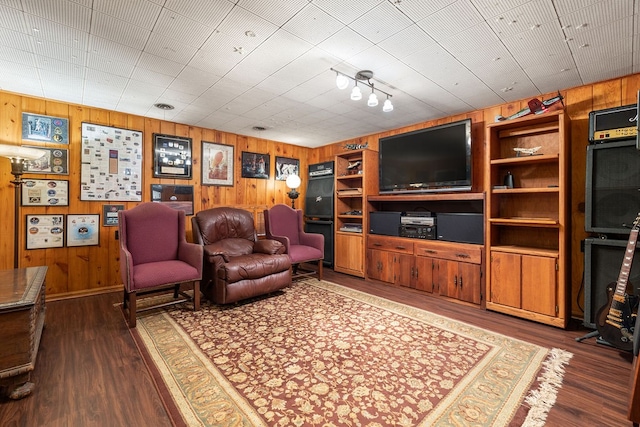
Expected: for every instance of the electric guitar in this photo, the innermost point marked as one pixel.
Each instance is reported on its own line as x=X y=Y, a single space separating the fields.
x=617 y=318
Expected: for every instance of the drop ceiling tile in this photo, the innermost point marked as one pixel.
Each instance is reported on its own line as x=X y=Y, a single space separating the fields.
x=246 y=29
x=270 y=57
x=12 y=19
x=43 y=29
x=181 y=29
x=371 y=59
x=12 y=3
x=15 y=39
x=604 y=34
x=380 y=23
x=313 y=25
x=142 y=13
x=450 y=20
x=17 y=56
x=170 y=49
x=275 y=11
x=61 y=67
x=204 y=11
x=473 y=38
x=531 y=39
x=355 y=9
x=345 y=44
x=159 y=64
x=14 y=69
x=108 y=80
x=406 y=42
x=566 y=7
x=491 y=8
x=110 y=49
x=419 y=9
x=61 y=11
x=524 y=18
x=110 y=28
x=58 y=51
x=595 y=15
x=111 y=66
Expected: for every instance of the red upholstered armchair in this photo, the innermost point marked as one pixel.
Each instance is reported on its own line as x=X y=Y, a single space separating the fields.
x=155 y=256
x=285 y=225
x=237 y=265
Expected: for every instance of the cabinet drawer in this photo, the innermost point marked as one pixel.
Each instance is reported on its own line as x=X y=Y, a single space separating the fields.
x=390 y=244
x=451 y=251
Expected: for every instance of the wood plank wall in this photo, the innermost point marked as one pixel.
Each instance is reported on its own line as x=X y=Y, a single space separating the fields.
x=74 y=271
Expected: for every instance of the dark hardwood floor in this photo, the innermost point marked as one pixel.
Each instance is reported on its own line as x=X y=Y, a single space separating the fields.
x=89 y=372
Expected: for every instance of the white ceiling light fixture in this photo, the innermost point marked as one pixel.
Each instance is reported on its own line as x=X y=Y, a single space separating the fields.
x=364 y=77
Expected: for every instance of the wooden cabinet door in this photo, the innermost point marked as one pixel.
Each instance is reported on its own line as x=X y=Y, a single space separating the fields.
x=539 y=284
x=349 y=254
x=405 y=270
x=380 y=265
x=505 y=279
x=423 y=278
x=447 y=275
x=469 y=282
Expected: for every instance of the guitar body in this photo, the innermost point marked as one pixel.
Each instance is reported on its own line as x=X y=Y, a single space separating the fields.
x=618 y=337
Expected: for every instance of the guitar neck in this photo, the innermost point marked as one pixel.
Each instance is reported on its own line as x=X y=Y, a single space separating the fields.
x=623 y=277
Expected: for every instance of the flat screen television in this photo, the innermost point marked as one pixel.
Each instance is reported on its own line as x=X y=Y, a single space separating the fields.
x=434 y=159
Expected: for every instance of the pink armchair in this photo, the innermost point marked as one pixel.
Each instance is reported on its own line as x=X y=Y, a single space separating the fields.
x=285 y=225
x=155 y=256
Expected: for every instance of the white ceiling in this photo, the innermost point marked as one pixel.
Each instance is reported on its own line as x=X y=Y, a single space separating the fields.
x=235 y=64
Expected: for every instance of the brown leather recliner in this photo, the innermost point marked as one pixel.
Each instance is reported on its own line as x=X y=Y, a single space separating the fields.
x=237 y=265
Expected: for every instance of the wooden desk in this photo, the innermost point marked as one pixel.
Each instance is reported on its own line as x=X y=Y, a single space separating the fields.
x=22 y=295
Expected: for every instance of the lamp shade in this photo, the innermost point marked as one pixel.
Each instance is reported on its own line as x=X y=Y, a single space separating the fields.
x=342 y=81
x=20 y=153
x=373 y=100
x=387 y=106
x=356 y=95
x=293 y=181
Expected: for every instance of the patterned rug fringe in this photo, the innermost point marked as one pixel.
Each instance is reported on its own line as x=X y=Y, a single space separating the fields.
x=542 y=399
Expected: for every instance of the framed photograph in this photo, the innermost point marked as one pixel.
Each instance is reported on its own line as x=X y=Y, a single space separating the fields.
x=110 y=214
x=179 y=197
x=217 y=164
x=56 y=161
x=255 y=165
x=111 y=164
x=45 y=128
x=286 y=167
x=45 y=192
x=83 y=230
x=171 y=156
x=45 y=231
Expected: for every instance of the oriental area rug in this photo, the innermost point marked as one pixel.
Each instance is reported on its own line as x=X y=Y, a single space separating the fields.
x=320 y=354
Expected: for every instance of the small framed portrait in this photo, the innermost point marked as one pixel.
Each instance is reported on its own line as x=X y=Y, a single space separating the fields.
x=45 y=192
x=45 y=231
x=255 y=165
x=36 y=127
x=56 y=161
x=217 y=164
x=171 y=156
x=286 y=167
x=83 y=230
x=179 y=197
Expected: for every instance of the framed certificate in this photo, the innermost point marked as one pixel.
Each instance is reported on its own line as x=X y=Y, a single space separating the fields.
x=83 y=230
x=172 y=156
x=45 y=231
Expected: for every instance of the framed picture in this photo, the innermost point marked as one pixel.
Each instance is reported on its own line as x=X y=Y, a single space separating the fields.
x=45 y=192
x=171 y=156
x=179 y=197
x=217 y=164
x=255 y=165
x=286 y=167
x=83 y=230
x=111 y=164
x=110 y=214
x=45 y=128
x=45 y=231
x=56 y=161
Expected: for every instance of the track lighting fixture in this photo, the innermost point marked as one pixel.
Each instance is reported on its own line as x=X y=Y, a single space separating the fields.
x=364 y=77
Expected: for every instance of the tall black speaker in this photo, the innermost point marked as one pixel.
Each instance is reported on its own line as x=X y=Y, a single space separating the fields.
x=602 y=261
x=612 y=187
x=326 y=229
x=318 y=202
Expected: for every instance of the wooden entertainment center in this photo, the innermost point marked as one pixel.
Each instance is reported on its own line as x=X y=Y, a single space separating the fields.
x=520 y=269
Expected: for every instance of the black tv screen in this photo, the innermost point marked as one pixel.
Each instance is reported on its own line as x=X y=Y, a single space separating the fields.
x=427 y=160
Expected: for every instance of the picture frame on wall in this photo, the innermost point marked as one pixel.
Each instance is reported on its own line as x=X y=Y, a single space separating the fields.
x=286 y=167
x=56 y=161
x=171 y=156
x=217 y=164
x=44 y=231
x=255 y=165
x=110 y=215
x=36 y=127
x=45 y=192
x=179 y=197
x=83 y=229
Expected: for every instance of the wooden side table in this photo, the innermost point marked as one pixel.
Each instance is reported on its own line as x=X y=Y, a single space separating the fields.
x=22 y=309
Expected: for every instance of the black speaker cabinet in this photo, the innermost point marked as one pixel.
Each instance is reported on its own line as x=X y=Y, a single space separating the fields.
x=612 y=187
x=326 y=229
x=460 y=227
x=318 y=201
x=602 y=262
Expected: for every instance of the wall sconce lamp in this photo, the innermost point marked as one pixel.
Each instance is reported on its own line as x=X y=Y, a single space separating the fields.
x=364 y=77
x=293 y=182
x=18 y=156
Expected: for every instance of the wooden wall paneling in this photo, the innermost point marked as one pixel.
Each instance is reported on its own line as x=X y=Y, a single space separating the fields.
x=607 y=94
x=630 y=86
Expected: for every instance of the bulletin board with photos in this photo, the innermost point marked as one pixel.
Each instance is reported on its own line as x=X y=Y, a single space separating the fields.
x=111 y=164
